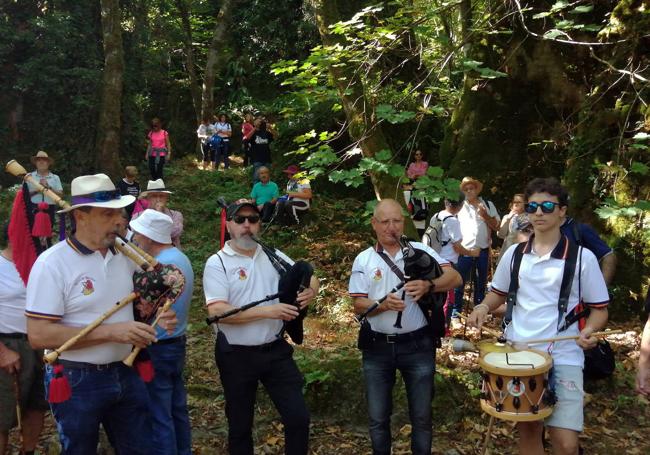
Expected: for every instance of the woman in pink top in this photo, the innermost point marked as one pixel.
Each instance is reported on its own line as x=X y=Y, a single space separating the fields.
x=247 y=130
x=159 y=149
x=417 y=168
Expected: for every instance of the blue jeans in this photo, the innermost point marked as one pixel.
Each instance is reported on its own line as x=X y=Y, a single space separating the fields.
x=465 y=268
x=221 y=153
x=416 y=362
x=114 y=397
x=170 y=420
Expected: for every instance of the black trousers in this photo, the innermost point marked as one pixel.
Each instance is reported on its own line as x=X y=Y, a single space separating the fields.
x=241 y=368
x=156 y=168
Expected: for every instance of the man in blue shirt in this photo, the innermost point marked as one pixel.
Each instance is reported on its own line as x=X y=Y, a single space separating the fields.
x=171 y=423
x=584 y=235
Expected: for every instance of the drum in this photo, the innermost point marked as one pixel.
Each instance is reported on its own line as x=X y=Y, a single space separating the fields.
x=515 y=385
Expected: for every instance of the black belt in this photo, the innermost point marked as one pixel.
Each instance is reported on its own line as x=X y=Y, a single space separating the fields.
x=258 y=347
x=88 y=366
x=180 y=339
x=392 y=338
x=15 y=335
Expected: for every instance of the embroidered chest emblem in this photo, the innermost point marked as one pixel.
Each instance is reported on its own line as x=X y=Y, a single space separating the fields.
x=242 y=274
x=377 y=274
x=87 y=287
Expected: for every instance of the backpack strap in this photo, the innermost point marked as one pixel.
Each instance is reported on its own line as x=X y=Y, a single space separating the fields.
x=579 y=312
x=442 y=226
x=391 y=264
x=567 y=283
x=576 y=232
x=511 y=299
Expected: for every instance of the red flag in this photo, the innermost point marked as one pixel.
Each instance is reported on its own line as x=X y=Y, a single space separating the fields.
x=20 y=235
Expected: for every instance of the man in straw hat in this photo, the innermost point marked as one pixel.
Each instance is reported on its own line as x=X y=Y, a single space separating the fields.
x=42 y=174
x=19 y=363
x=71 y=285
x=477 y=218
x=168 y=398
x=537 y=312
x=157 y=198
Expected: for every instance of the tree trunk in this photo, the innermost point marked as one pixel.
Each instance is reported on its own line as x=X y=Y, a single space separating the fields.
x=109 y=128
x=195 y=90
x=215 y=56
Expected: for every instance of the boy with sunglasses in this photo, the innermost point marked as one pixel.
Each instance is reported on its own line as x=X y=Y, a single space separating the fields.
x=248 y=349
x=535 y=314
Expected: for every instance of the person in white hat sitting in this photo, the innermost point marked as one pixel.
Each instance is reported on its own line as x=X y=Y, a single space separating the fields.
x=42 y=161
x=71 y=285
x=168 y=398
x=156 y=197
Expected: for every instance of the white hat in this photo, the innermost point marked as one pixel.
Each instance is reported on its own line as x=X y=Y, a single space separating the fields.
x=155 y=225
x=155 y=186
x=96 y=191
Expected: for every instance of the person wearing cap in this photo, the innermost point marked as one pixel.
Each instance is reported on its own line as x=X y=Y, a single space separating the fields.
x=478 y=218
x=71 y=285
x=18 y=361
x=297 y=199
x=42 y=161
x=168 y=398
x=249 y=347
x=156 y=197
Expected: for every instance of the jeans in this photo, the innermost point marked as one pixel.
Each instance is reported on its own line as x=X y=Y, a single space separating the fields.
x=465 y=266
x=221 y=153
x=241 y=369
x=114 y=397
x=416 y=362
x=156 y=165
x=170 y=420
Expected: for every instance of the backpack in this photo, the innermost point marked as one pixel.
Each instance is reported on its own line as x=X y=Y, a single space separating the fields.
x=215 y=141
x=433 y=235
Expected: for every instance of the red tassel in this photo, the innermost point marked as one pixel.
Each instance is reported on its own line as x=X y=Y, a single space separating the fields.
x=42 y=223
x=145 y=369
x=21 y=238
x=410 y=208
x=60 y=390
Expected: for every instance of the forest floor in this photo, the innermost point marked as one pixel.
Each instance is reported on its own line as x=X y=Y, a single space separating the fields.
x=616 y=418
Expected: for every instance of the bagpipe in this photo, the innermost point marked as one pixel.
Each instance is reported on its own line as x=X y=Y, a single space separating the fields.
x=293 y=280
x=418 y=265
x=156 y=287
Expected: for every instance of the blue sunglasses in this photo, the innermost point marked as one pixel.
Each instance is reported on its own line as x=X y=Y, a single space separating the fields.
x=547 y=206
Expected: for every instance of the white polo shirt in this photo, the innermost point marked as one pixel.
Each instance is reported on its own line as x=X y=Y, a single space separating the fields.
x=476 y=233
x=12 y=299
x=372 y=278
x=238 y=280
x=74 y=286
x=535 y=316
x=451 y=234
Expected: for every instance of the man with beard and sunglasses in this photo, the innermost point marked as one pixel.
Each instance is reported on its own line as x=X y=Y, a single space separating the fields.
x=536 y=312
x=71 y=285
x=249 y=347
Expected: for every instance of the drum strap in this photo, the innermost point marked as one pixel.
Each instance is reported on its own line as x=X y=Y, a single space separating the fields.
x=565 y=287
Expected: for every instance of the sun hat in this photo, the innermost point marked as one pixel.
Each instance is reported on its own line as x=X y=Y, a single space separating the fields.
x=155 y=186
x=155 y=225
x=96 y=191
x=236 y=206
x=41 y=154
x=292 y=169
x=467 y=180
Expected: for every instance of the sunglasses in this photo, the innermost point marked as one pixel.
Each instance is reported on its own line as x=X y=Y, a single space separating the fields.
x=547 y=206
x=252 y=219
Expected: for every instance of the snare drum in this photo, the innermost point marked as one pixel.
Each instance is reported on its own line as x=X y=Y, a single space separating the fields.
x=515 y=385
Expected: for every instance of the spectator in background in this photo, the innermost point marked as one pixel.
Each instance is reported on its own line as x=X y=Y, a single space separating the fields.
x=265 y=194
x=417 y=207
x=159 y=149
x=156 y=197
x=46 y=178
x=205 y=131
x=260 y=142
x=247 y=130
x=129 y=185
x=515 y=226
x=417 y=168
x=222 y=129
x=298 y=197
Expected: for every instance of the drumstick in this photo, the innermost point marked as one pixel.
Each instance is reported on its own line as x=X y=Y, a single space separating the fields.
x=51 y=356
x=19 y=414
x=128 y=361
x=567 y=337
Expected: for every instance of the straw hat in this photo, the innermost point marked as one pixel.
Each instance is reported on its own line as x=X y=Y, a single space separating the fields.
x=467 y=180
x=155 y=225
x=41 y=154
x=96 y=191
x=155 y=186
